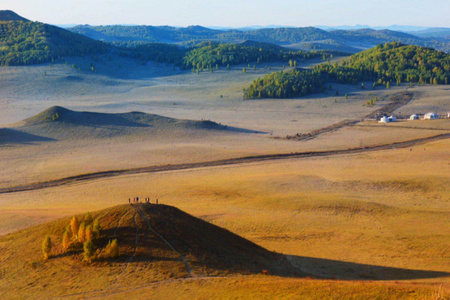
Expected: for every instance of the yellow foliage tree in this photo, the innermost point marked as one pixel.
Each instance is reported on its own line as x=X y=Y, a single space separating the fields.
x=89 y=233
x=66 y=240
x=74 y=225
x=47 y=247
x=82 y=233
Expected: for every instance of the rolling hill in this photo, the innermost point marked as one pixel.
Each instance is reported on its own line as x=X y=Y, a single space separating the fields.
x=156 y=242
x=59 y=123
x=23 y=42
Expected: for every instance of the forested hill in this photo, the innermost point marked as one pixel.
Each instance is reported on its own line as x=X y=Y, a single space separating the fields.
x=299 y=37
x=384 y=65
x=8 y=15
x=212 y=55
x=23 y=42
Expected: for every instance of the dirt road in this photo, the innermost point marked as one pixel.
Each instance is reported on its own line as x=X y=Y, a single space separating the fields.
x=231 y=161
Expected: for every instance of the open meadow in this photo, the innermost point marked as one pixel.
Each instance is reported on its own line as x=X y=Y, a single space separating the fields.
x=366 y=224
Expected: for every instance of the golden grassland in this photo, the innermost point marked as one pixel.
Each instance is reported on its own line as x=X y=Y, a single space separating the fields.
x=368 y=216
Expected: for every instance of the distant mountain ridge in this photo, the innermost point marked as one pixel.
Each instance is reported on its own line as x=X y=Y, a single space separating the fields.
x=305 y=38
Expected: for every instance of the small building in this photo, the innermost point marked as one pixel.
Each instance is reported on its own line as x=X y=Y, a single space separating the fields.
x=431 y=116
x=414 y=117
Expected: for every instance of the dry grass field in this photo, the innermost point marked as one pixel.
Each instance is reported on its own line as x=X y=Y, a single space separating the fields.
x=373 y=224
x=366 y=217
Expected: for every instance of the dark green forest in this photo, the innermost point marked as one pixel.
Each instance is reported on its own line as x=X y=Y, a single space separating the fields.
x=208 y=55
x=25 y=43
x=285 y=85
x=392 y=63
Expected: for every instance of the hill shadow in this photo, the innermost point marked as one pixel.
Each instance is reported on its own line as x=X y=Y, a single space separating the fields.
x=12 y=136
x=333 y=269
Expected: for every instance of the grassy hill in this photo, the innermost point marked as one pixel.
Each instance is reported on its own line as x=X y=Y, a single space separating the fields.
x=23 y=42
x=156 y=242
x=60 y=123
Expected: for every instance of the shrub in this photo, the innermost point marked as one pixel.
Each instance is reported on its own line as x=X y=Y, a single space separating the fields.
x=114 y=250
x=47 y=247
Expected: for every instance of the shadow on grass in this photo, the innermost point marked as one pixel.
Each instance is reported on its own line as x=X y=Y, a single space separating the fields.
x=12 y=136
x=327 y=268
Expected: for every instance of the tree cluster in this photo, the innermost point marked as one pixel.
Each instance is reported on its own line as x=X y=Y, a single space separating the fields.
x=285 y=85
x=392 y=62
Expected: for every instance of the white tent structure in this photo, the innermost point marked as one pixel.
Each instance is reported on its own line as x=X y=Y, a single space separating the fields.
x=414 y=117
x=431 y=116
x=384 y=120
x=392 y=119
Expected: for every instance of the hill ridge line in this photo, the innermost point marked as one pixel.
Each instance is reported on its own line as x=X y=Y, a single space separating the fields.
x=215 y=163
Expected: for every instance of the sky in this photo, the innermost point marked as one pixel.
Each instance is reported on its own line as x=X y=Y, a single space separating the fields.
x=235 y=13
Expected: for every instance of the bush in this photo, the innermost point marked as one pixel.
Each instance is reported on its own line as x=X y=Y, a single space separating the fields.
x=114 y=252
x=47 y=247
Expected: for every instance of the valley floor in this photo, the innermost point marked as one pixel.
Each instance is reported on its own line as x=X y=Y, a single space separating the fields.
x=370 y=224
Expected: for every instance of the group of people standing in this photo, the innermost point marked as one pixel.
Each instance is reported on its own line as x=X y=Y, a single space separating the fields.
x=136 y=200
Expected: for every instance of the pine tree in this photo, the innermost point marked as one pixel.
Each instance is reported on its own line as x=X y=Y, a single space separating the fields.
x=47 y=247
x=89 y=250
x=74 y=226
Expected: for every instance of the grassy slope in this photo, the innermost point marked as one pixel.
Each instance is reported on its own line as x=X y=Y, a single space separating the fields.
x=370 y=216
x=209 y=250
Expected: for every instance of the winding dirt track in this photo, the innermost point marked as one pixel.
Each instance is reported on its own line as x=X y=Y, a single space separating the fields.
x=224 y=162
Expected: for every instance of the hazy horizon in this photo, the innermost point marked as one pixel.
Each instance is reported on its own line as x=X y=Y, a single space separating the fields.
x=234 y=13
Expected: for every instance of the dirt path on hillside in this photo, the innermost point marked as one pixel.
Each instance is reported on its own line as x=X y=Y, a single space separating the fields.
x=225 y=162
x=144 y=217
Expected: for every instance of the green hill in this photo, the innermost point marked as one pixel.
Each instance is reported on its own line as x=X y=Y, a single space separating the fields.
x=156 y=242
x=392 y=63
x=23 y=42
x=8 y=15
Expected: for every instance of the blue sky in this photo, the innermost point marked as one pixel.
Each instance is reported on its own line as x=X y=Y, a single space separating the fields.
x=235 y=13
